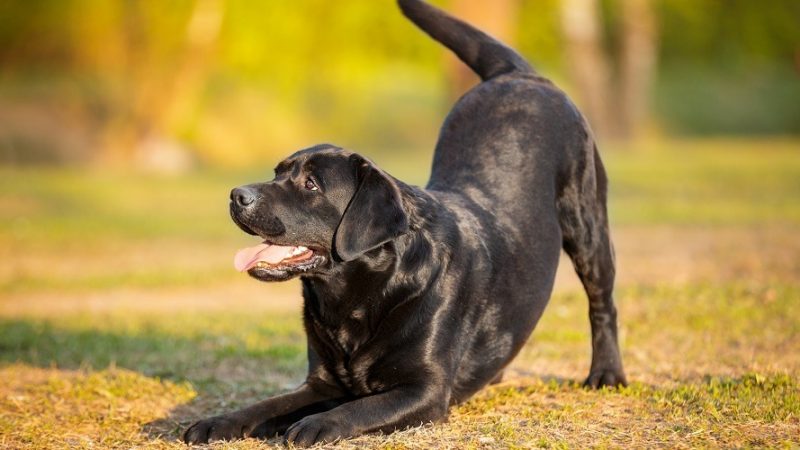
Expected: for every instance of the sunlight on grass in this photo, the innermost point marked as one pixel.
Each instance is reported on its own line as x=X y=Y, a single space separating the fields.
x=726 y=397
x=66 y=217
x=122 y=320
x=707 y=182
x=50 y=408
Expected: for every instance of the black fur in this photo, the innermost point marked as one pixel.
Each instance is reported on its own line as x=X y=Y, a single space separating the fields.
x=417 y=298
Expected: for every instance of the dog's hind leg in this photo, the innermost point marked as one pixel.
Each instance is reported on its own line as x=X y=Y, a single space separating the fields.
x=498 y=378
x=584 y=223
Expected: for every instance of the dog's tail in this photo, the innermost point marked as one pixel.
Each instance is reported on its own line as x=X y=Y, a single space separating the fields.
x=482 y=53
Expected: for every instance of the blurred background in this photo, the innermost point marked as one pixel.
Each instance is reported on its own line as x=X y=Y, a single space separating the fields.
x=125 y=123
x=225 y=83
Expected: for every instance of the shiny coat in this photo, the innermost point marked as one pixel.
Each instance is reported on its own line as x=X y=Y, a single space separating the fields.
x=415 y=298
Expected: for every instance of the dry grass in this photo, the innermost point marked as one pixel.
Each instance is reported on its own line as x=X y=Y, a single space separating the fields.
x=81 y=409
x=119 y=336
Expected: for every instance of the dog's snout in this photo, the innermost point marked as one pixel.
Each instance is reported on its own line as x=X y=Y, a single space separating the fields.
x=243 y=197
x=252 y=213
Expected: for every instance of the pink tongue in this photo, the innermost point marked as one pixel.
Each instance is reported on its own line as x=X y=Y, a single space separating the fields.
x=249 y=257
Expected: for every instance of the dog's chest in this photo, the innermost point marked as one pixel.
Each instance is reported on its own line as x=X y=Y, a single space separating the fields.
x=346 y=353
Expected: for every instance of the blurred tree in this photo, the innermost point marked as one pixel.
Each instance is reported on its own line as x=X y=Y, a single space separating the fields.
x=237 y=80
x=497 y=18
x=637 y=66
x=162 y=75
x=613 y=84
x=164 y=92
x=728 y=67
x=590 y=70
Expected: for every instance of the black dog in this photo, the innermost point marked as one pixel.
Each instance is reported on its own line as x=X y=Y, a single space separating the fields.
x=417 y=298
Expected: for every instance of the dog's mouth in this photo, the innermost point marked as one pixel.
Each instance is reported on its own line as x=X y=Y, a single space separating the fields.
x=272 y=262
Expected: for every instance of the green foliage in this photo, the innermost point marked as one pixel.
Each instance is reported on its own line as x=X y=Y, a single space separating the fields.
x=281 y=75
x=720 y=34
x=737 y=101
x=728 y=67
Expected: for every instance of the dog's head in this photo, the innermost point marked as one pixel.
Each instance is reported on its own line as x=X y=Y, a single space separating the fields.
x=325 y=206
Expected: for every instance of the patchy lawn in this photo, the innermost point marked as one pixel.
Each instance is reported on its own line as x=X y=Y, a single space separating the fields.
x=121 y=320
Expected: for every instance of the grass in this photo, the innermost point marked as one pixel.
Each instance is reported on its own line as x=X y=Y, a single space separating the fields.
x=178 y=367
x=718 y=183
x=121 y=320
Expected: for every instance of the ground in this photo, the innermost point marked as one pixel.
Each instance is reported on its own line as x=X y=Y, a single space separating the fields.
x=122 y=319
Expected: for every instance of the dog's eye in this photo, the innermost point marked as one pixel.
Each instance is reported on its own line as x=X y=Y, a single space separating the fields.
x=311 y=185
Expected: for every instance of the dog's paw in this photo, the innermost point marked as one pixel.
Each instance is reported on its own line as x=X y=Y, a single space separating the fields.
x=219 y=428
x=317 y=428
x=599 y=378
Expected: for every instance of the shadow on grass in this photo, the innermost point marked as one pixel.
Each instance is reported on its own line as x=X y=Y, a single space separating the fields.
x=243 y=362
x=512 y=374
x=171 y=428
x=226 y=370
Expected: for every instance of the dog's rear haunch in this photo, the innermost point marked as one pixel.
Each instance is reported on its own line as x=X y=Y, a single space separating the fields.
x=414 y=299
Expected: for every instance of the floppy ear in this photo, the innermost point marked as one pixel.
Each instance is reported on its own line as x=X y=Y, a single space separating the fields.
x=374 y=215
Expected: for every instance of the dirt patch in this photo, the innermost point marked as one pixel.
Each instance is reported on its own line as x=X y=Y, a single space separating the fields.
x=645 y=256
x=664 y=255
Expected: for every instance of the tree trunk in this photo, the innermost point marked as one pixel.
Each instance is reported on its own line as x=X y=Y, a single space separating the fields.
x=588 y=65
x=158 y=97
x=636 y=66
x=495 y=17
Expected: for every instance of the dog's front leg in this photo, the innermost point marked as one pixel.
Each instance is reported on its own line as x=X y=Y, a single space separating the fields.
x=262 y=419
x=392 y=410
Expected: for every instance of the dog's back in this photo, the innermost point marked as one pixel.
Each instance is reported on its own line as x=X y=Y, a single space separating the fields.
x=422 y=298
x=516 y=154
x=510 y=135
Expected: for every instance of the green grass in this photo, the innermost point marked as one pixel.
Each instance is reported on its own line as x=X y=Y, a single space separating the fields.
x=709 y=182
x=122 y=320
x=706 y=182
x=67 y=216
x=68 y=203
x=714 y=393
x=177 y=346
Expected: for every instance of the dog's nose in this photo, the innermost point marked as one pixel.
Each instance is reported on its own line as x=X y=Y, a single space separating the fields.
x=243 y=196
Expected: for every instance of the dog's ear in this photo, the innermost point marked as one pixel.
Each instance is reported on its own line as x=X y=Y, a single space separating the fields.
x=374 y=215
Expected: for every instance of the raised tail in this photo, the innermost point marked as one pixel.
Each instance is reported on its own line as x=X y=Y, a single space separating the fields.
x=485 y=55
